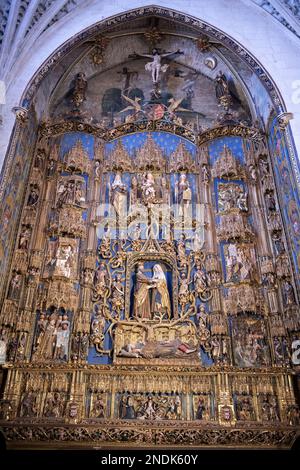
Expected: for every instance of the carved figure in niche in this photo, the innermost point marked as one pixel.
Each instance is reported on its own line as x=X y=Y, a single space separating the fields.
x=293 y=415
x=268 y=279
x=117 y=296
x=137 y=232
x=24 y=237
x=245 y=409
x=33 y=196
x=21 y=346
x=205 y=174
x=65 y=260
x=54 y=406
x=51 y=167
x=200 y=282
x=135 y=106
x=281 y=350
x=65 y=193
x=44 y=348
x=213 y=278
x=62 y=339
x=264 y=167
x=149 y=411
x=216 y=348
x=39 y=159
x=252 y=173
x=203 y=332
x=152 y=349
x=288 y=293
x=160 y=300
x=97 y=169
x=28 y=405
x=174 y=410
x=155 y=67
x=278 y=243
x=249 y=343
x=126 y=408
x=270 y=201
x=79 y=197
x=98 y=331
x=119 y=195
x=80 y=346
x=164 y=190
x=87 y=276
x=184 y=195
x=201 y=409
x=70 y=192
x=242 y=200
x=221 y=85
x=104 y=248
x=293 y=212
x=269 y=409
x=119 y=260
x=3 y=345
x=160 y=297
x=231 y=196
x=101 y=281
x=148 y=189
x=181 y=253
x=133 y=191
x=84 y=346
x=141 y=295
x=282 y=266
x=184 y=286
x=79 y=90
x=98 y=410
x=202 y=316
x=238 y=264
x=15 y=286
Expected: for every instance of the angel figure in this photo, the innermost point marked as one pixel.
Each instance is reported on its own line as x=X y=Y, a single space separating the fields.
x=155 y=66
x=174 y=106
x=134 y=105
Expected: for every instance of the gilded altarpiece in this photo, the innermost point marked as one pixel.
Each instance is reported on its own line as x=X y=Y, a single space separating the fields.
x=150 y=295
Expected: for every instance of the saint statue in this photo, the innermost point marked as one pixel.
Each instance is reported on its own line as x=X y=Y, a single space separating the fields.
x=221 y=85
x=119 y=195
x=141 y=296
x=184 y=194
x=79 y=89
x=148 y=189
x=160 y=298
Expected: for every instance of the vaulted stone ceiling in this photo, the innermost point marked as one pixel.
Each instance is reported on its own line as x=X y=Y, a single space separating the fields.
x=23 y=21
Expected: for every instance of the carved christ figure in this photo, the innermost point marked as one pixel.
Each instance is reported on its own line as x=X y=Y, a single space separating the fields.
x=155 y=67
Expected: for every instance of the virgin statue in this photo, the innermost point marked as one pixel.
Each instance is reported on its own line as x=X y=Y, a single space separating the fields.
x=160 y=298
x=119 y=195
